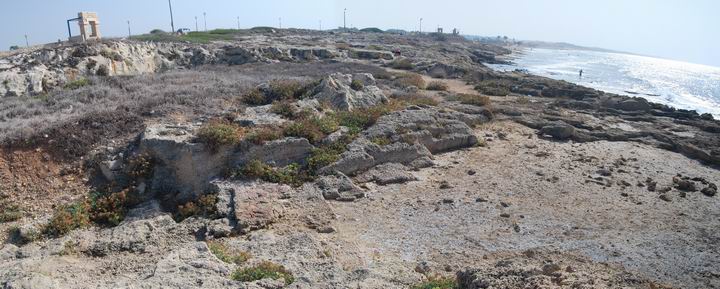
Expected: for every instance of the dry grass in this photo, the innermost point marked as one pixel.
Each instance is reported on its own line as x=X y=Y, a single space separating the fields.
x=437 y=86
x=474 y=99
x=69 y=123
x=410 y=79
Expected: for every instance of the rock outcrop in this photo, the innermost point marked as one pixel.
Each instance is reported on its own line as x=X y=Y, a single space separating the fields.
x=348 y=92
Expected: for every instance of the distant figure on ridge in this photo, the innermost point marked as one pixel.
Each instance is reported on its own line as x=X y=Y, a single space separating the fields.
x=581 y=73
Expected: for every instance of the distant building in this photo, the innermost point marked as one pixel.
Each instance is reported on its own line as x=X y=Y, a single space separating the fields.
x=89 y=27
x=440 y=30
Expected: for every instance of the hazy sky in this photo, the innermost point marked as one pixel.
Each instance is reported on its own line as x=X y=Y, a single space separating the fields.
x=686 y=30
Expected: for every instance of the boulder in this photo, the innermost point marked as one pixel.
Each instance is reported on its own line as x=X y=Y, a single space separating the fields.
x=249 y=206
x=337 y=91
x=559 y=130
x=389 y=173
x=414 y=135
x=633 y=104
x=184 y=168
x=339 y=187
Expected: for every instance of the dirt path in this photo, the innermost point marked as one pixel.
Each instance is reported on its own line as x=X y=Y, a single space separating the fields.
x=526 y=193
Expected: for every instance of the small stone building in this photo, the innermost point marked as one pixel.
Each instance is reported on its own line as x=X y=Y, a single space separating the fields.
x=89 y=27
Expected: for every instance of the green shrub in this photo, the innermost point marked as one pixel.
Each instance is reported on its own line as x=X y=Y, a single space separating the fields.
x=327 y=154
x=217 y=133
x=72 y=85
x=202 y=207
x=402 y=63
x=284 y=108
x=361 y=119
x=261 y=135
x=493 y=87
x=289 y=175
x=140 y=166
x=314 y=129
x=227 y=255
x=254 y=97
x=356 y=85
x=67 y=218
x=474 y=99
x=8 y=211
x=437 y=85
x=263 y=270
x=371 y=30
x=381 y=141
x=103 y=70
x=108 y=209
x=437 y=282
x=282 y=89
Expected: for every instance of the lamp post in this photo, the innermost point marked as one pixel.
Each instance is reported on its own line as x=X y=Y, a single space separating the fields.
x=280 y=22
x=205 y=20
x=421 y=25
x=27 y=44
x=129 y=34
x=345 y=19
x=320 y=25
x=196 y=26
x=238 y=21
x=172 y=22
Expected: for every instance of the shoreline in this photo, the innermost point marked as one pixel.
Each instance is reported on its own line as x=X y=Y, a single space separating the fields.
x=661 y=98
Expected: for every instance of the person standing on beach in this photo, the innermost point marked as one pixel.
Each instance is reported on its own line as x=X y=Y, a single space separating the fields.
x=581 y=72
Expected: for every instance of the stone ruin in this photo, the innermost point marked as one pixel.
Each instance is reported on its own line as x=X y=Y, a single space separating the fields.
x=89 y=27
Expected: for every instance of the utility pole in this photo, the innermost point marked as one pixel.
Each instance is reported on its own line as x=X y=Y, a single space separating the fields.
x=205 y=19
x=129 y=34
x=196 y=27
x=172 y=22
x=280 y=21
x=27 y=44
x=320 y=25
x=345 y=19
x=238 y=20
x=420 y=25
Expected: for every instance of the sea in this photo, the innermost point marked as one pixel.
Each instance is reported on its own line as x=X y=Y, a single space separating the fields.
x=675 y=83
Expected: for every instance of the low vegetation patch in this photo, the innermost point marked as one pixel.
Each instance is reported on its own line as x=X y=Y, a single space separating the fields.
x=67 y=218
x=414 y=99
x=75 y=84
x=410 y=79
x=8 y=211
x=261 y=135
x=491 y=87
x=474 y=99
x=217 y=133
x=437 y=86
x=327 y=154
x=437 y=282
x=226 y=254
x=356 y=85
x=381 y=141
x=158 y=35
x=278 y=90
x=290 y=175
x=202 y=207
x=402 y=63
x=315 y=129
x=264 y=270
x=284 y=108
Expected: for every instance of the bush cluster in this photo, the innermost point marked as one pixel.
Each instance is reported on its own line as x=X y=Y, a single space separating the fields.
x=437 y=282
x=8 y=211
x=278 y=90
x=227 y=255
x=217 y=133
x=437 y=85
x=290 y=175
x=75 y=84
x=202 y=207
x=491 y=87
x=410 y=79
x=264 y=134
x=474 y=99
x=101 y=208
x=263 y=270
x=402 y=63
